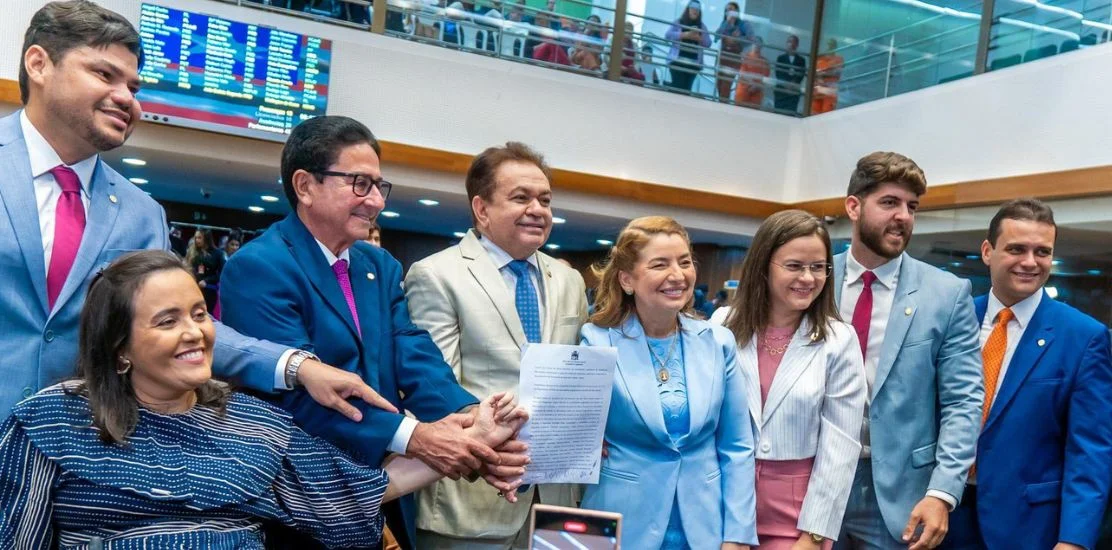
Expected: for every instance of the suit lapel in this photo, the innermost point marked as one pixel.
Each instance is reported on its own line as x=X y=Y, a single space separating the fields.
x=795 y=362
x=104 y=207
x=904 y=308
x=698 y=350
x=1025 y=357
x=306 y=251
x=839 y=276
x=748 y=357
x=551 y=295
x=487 y=276
x=638 y=374
x=18 y=196
x=365 y=283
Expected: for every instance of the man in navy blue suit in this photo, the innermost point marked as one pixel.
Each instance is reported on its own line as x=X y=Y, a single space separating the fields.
x=66 y=214
x=1044 y=458
x=311 y=282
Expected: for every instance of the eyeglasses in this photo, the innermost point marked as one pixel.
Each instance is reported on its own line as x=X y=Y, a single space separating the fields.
x=818 y=269
x=361 y=184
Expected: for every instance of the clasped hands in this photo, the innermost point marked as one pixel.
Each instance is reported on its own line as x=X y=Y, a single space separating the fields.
x=480 y=440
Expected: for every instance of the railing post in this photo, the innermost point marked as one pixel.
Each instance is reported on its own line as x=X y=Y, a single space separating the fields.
x=980 y=65
x=888 y=69
x=617 y=42
x=378 y=21
x=816 y=38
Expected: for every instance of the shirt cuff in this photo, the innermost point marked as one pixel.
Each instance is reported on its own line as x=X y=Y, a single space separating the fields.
x=400 y=441
x=280 y=370
x=944 y=496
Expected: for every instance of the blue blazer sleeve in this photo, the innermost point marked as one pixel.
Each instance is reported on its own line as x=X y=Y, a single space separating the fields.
x=735 y=450
x=430 y=388
x=26 y=485
x=1087 y=472
x=961 y=393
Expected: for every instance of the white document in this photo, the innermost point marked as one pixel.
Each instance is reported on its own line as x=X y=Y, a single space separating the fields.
x=566 y=390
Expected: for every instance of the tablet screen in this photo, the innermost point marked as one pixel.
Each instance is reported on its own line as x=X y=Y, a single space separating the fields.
x=573 y=530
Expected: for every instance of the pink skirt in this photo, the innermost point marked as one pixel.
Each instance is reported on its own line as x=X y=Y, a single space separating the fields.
x=781 y=486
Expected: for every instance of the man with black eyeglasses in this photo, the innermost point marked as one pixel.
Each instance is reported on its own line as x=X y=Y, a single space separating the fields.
x=311 y=282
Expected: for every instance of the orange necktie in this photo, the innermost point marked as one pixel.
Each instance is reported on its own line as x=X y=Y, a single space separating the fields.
x=993 y=355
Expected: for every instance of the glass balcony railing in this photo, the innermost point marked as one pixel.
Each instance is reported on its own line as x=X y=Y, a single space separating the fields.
x=804 y=59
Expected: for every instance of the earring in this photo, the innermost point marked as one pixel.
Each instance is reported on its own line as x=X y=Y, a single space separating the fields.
x=629 y=292
x=127 y=366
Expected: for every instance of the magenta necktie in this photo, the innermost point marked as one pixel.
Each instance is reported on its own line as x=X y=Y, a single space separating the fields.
x=863 y=311
x=69 y=226
x=340 y=268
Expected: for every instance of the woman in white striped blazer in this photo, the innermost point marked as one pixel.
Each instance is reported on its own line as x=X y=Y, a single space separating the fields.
x=805 y=382
x=146 y=451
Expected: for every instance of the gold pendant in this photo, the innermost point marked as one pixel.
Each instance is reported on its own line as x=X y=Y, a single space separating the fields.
x=662 y=375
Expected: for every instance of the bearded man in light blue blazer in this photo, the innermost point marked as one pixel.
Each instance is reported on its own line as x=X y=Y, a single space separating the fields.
x=67 y=214
x=919 y=337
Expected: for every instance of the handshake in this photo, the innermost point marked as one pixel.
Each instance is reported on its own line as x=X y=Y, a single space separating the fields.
x=478 y=442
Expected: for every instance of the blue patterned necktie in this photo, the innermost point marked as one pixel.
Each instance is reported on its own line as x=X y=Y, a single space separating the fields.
x=528 y=310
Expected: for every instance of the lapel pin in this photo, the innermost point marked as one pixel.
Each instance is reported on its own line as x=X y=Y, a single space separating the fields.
x=1041 y=342
x=113 y=199
x=907 y=311
x=370 y=276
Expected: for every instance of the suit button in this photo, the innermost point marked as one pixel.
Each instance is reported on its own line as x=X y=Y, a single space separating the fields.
x=765 y=447
x=28 y=392
x=48 y=336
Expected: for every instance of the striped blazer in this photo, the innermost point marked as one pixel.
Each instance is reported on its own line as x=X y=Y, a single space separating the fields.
x=814 y=408
x=192 y=480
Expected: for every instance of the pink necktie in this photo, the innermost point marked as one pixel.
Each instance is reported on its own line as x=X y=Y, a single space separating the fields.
x=69 y=226
x=340 y=268
x=863 y=311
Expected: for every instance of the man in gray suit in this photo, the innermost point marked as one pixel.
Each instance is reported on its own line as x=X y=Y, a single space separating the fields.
x=68 y=214
x=481 y=301
x=919 y=337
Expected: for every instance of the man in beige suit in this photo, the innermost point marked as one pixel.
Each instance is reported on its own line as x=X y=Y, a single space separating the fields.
x=482 y=300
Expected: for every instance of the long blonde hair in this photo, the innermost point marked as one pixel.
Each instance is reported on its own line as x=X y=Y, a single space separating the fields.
x=612 y=306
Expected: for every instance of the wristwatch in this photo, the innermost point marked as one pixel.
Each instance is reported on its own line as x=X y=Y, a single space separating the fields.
x=294 y=364
x=817 y=539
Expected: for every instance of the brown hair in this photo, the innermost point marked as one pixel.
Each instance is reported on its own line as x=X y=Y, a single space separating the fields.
x=750 y=304
x=1021 y=209
x=612 y=306
x=105 y=331
x=59 y=27
x=876 y=169
x=480 y=176
x=375 y=228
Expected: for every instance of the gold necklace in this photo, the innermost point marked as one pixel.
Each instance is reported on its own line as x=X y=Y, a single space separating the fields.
x=662 y=373
x=777 y=350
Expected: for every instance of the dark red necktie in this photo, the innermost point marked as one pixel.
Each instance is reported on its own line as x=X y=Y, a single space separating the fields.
x=69 y=226
x=863 y=311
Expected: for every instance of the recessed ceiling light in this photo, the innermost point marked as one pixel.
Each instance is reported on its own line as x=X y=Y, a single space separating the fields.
x=1051 y=291
x=552 y=246
x=137 y=181
x=1094 y=272
x=973 y=257
x=134 y=161
x=604 y=242
x=429 y=202
x=955 y=264
x=459 y=234
x=269 y=198
x=255 y=208
x=389 y=214
x=1056 y=262
x=558 y=219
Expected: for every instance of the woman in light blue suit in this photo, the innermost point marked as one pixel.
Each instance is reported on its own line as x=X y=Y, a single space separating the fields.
x=679 y=466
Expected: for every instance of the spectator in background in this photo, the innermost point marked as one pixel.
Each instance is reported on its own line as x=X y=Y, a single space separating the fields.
x=754 y=69
x=178 y=244
x=374 y=235
x=207 y=262
x=790 y=70
x=538 y=33
x=629 y=55
x=231 y=247
x=828 y=71
x=688 y=36
x=587 y=53
x=647 y=65
x=551 y=52
x=732 y=33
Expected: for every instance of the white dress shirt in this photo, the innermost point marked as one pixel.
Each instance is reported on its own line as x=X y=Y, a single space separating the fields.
x=1023 y=311
x=502 y=260
x=47 y=191
x=884 y=293
x=400 y=442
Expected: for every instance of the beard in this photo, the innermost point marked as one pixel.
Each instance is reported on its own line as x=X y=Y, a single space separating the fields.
x=872 y=236
x=83 y=123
